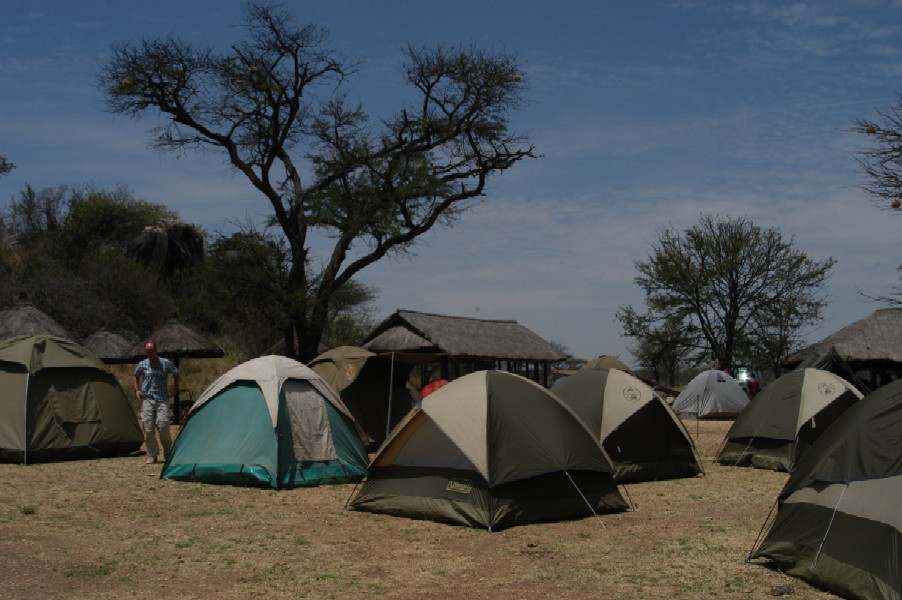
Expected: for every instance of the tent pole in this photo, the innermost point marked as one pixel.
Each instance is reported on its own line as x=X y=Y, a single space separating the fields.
x=747 y=446
x=351 y=495
x=581 y=495
x=629 y=498
x=698 y=415
x=829 y=525
x=391 y=385
x=763 y=525
x=25 y=418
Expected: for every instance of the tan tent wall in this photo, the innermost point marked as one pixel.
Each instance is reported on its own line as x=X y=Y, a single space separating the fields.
x=644 y=439
x=810 y=538
x=59 y=402
x=13 y=384
x=490 y=450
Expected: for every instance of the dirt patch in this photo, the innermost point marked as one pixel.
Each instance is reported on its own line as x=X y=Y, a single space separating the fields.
x=112 y=529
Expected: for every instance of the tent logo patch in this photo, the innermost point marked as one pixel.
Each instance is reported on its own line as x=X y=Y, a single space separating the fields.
x=461 y=486
x=632 y=394
x=826 y=389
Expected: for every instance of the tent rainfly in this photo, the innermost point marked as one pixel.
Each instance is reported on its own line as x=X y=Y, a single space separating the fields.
x=644 y=438
x=268 y=422
x=60 y=402
x=490 y=450
x=711 y=394
x=785 y=418
x=838 y=522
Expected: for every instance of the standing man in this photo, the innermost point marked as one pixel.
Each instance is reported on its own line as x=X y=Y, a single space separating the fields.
x=151 y=387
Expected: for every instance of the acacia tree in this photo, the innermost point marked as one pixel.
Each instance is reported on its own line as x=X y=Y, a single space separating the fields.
x=5 y=166
x=738 y=284
x=274 y=105
x=882 y=160
x=238 y=291
x=881 y=163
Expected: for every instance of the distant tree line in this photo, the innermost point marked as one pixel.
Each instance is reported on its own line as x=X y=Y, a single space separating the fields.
x=94 y=258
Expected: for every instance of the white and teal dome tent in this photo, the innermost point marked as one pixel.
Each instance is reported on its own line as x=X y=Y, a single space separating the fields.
x=269 y=422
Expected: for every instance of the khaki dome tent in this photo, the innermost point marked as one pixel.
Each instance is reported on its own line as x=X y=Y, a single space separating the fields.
x=644 y=438
x=268 y=422
x=491 y=450
x=838 y=523
x=58 y=402
x=372 y=386
x=780 y=422
x=711 y=394
x=606 y=362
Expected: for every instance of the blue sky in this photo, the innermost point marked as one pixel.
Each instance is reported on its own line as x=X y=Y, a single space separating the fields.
x=646 y=114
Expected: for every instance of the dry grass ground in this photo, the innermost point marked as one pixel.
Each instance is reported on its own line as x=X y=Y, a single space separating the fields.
x=112 y=529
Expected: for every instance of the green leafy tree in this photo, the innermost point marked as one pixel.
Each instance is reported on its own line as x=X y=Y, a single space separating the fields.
x=275 y=106
x=68 y=255
x=109 y=217
x=352 y=315
x=239 y=291
x=36 y=214
x=733 y=282
x=665 y=346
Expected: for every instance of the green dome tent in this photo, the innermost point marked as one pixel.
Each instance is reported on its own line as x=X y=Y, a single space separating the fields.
x=785 y=418
x=838 y=524
x=644 y=438
x=490 y=450
x=58 y=402
x=269 y=422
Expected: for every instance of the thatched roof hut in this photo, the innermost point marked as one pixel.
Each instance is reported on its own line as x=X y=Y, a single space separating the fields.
x=22 y=318
x=176 y=341
x=111 y=348
x=871 y=346
x=466 y=344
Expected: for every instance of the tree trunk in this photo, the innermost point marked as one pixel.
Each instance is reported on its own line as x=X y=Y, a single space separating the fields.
x=308 y=343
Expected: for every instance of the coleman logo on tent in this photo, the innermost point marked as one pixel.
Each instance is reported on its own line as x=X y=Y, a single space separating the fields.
x=632 y=394
x=460 y=486
x=826 y=388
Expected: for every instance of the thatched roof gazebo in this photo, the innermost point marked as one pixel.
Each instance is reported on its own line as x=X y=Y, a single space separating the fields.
x=176 y=341
x=22 y=318
x=871 y=347
x=465 y=344
x=112 y=348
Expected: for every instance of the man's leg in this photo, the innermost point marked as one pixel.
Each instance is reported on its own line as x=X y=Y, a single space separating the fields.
x=148 y=421
x=163 y=420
